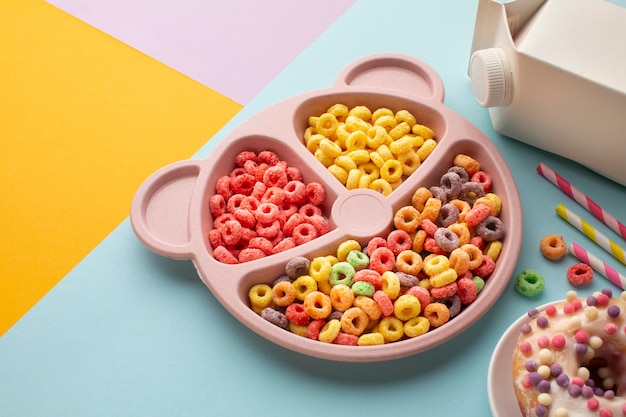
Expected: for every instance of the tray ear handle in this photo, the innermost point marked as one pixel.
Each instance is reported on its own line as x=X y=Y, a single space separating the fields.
x=396 y=72
x=160 y=209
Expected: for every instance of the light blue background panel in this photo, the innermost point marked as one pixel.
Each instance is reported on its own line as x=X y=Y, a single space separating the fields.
x=130 y=333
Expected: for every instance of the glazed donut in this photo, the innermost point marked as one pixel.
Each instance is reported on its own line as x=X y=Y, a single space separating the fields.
x=570 y=359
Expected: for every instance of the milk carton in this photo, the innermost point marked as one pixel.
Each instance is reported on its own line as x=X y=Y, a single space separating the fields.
x=553 y=75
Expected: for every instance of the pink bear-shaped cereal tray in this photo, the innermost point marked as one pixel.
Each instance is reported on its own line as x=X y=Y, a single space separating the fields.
x=348 y=223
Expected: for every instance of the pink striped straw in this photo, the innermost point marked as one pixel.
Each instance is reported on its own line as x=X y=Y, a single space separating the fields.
x=576 y=195
x=601 y=267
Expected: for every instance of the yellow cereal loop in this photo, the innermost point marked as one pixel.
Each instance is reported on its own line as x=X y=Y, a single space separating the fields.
x=330 y=331
x=324 y=286
x=493 y=249
x=319 y=268
x=370 y=339
x=332 y=259
x=410 y=162
x=299 y=329
x=423 y=131
x=496 y=199
x=362 y=112
x=313 y=143
x=390 y=284
x=342 y=133
x=365 y=181
x=391 y=328
x=345 y=247
x=304 y=285
x=354 y=124
x=327 y=124
x=493 y=209
x=400 y=130
x=370 y=170
x=260 y=295
x=402 y=145
x=308 y=132
x=435 y=264
x=443 y=278
x=376 y=159
x=391 y=171
x=357 y=140
x=345 y=162
x=405 y=116
x=416 y=326
x=382 y=186
x=385 y=152
x=359 y=156
x=339 y=173
x=354 y=178
x=330 y=148
x=395 y=184
x=386 y=121
x=324 y=160
x=340 y=111
x=426 y=149
x=406 y=307
x=383 y=111
x=341 y=297
x=425 y=283
x=313 y=121
x=376 y=136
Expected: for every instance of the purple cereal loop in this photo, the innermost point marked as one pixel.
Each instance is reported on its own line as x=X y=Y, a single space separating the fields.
x=454 y=305
x=297 y=266
x=446 y=239
x=336 y=314
x=562 y=380
x=471 y=191
x=451 y=184
x=462 y=173
x=613 y=311
x=530 y=365
x=439 y=193
x=525 y=328
x=448 y=215
x=543 y=386
x=275 y=317
x=280 y=279
x=542 y=322
x=490 y=229
x=407 y=280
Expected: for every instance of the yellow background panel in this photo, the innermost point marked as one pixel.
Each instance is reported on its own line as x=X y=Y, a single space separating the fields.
x=84 y=119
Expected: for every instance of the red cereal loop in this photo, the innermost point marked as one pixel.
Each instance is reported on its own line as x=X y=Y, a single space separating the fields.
x=243 y=183
x=313 y=330
x=579 y=274
x=218 y=223
x=303 y=233
x=294 y=220
x=346 y=339
x=275 y=176
x=309 y=210
x=430 y=244
x=398 y=241
x=486 y=268
x=468 y=291
x=276 y=239
x=251 y=167
x=245 y=217
x=260 y=171
x=295 y=313
x=315 y=193
x=269 y=230
x=247 y=234
x=285 y=244
x=295 y=192
x=258 y=190
x=234 y=202
x=429 y=227
x=382 y=259
x=217 y=205
x=243 y=157
x=483 y=179
x=267 y=213
x=250 y=254
x=478 y=241
x=294 y=174
x=215 y=238
x=261 y=243
x=224 y=255
x=384 y=302
x=375 y=243
x=477 y=214
x=223 y=187
x=369 y=275
x=286 y=211
x=250 y=203
x=320 y=223
x=274 y=195
x=444 y=292
x=232 y=232
x=268 y=157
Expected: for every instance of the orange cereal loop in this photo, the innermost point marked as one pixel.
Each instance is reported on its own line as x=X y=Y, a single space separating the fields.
x=409 y=262
x=354 y=321
x=459 y=261
x=462 y=231
x=418 y=240
x=437 y=314
x=369 y=306
x=317 y=305
x=493 y=208
x=469 y=164
x=431 y=209
x=420 y=197
x=475 y=254
x=462 y=206
x=408 y=218
x=553 y=247
x=283 y=293
x=341 y=297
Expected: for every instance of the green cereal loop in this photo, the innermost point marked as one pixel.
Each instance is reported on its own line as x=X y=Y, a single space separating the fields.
x=358 y=259
x=342 y=273
x=480 y=283
x=529 y=282
x=363 y=288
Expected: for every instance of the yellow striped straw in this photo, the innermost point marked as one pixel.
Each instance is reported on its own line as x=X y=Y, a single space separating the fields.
x=589 y=231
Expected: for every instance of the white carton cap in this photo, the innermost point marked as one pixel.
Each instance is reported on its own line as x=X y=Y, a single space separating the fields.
x=491 y=82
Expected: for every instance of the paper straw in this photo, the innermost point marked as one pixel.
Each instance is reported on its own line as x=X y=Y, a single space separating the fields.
x=600 y=239
x=575 y=194
x=599 y=266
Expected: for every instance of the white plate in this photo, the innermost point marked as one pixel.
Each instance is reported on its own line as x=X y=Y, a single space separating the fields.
x=502 y=398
